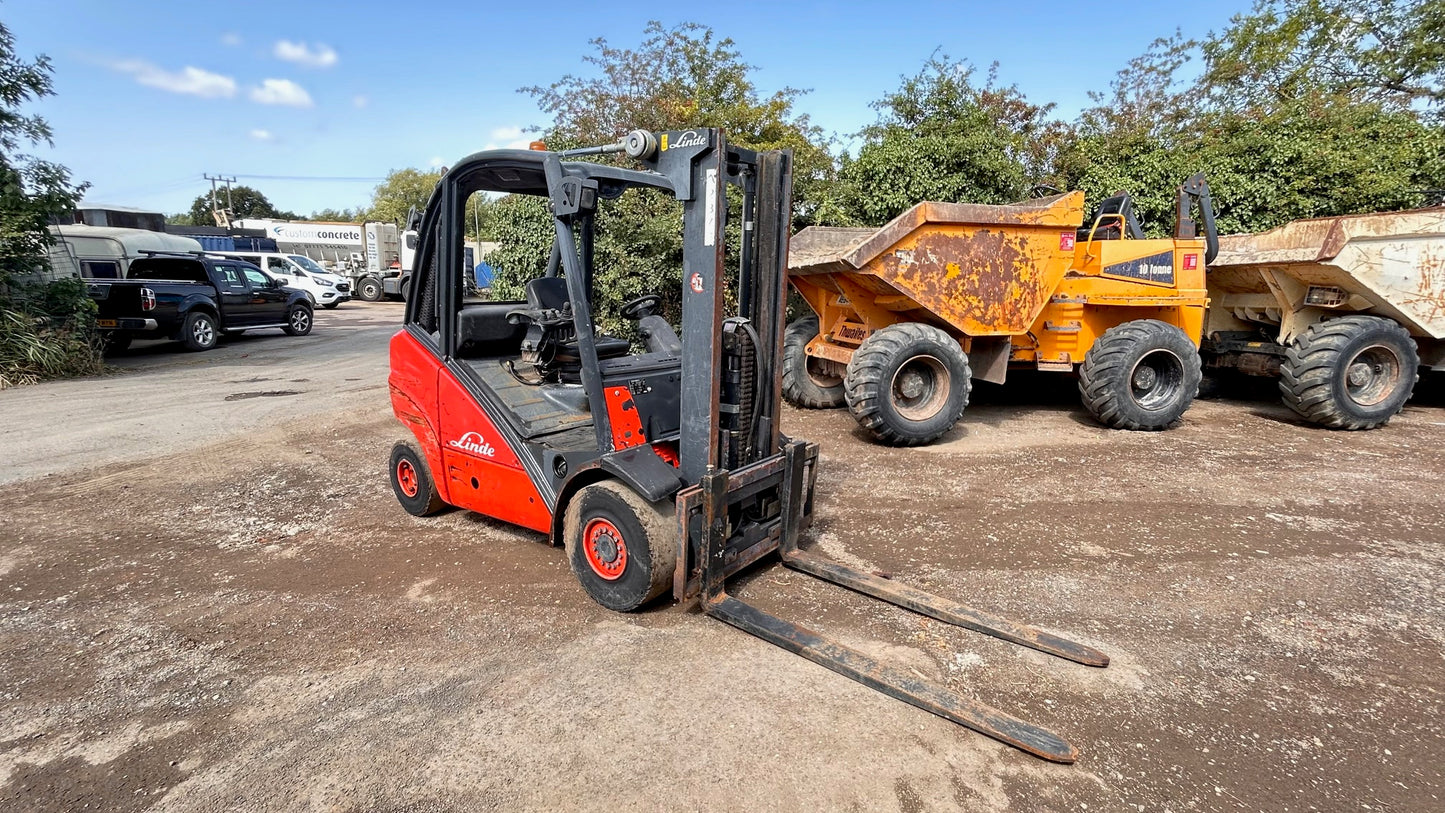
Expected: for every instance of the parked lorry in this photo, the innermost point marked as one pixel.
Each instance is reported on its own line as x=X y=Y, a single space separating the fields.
x=1345 y=310
x=906 y=314
x=195 y=299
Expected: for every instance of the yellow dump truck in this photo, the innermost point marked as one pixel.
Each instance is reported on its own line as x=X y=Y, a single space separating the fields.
x=904 y=316
x=1345 y=310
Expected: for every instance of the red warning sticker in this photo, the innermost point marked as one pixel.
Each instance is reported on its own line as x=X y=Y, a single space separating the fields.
x=696 y=283
x=1191 y=262
x=1066 y=241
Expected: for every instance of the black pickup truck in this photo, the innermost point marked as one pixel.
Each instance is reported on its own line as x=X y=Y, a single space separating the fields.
x=195 y=299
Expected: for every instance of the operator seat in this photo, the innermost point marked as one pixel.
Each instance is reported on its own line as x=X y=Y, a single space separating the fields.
x=1119 y=204
x=550 y=293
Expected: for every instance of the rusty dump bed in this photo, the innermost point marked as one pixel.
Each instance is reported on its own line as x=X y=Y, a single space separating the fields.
x=823 y=249
x=1392 y=264
x=985 y=270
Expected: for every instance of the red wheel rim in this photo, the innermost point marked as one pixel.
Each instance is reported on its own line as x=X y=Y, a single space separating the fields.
x=406 y=477
x=604 y=548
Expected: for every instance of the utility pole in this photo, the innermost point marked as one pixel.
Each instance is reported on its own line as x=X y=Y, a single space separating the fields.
x=222 y=217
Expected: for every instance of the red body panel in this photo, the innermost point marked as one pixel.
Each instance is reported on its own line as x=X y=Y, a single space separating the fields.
x=622 y=415
x=413 y=385
x=472 y=464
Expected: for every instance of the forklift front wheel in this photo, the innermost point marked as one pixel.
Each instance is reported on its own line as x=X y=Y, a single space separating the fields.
x=412 y=482
x=622 y=548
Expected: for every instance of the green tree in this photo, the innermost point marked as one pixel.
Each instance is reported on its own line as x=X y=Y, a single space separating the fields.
x=1386 y=52
x=944 y=137
x=675 y=78
x=1296 y=114
x=336 y=216
x=243 y=202
x=402 y=190
x=46 y=328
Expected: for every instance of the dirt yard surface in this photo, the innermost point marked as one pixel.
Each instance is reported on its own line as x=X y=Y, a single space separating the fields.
x=210 y=600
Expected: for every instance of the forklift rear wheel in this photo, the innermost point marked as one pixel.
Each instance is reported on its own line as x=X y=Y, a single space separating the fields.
x=622 y=548
x=1140 y=375
x=1355 y=372
x=369 y=289
x=908 y=384
x=412 y=482
x=806 y=381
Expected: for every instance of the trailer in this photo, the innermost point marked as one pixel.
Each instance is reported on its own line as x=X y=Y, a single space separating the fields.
x=1344 y=310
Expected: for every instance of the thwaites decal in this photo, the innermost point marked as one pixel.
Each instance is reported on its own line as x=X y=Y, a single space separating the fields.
x=1155 y=268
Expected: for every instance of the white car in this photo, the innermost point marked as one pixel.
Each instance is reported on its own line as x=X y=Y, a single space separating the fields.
x=322 y=288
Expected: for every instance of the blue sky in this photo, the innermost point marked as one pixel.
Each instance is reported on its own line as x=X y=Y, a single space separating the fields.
x=152 y=94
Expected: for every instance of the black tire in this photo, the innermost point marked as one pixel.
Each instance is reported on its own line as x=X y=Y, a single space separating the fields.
x=114 y=343
x=404 y=288
x=1355 y=372
x=298 y=320
x=1141 y=375
x=412 y=482
x=369 y=289
x=608 y=525
x=199 y=331
x=331 y=306
x=908 y=384
x=804 y=385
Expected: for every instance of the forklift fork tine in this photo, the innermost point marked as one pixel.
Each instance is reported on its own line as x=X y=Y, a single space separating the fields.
x=912 y=598
x=890 y=680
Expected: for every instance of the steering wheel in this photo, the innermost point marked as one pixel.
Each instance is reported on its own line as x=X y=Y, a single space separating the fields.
x=642 y=306
x=1043 y=190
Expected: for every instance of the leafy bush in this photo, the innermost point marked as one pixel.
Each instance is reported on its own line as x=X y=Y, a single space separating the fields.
x=48 y=331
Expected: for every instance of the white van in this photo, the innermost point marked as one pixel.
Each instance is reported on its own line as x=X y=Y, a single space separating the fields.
x=294 y=271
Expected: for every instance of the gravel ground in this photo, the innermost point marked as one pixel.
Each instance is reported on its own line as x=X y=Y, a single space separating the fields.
x=211 y=602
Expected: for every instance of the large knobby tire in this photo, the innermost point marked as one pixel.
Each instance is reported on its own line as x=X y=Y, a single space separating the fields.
x=1140 y=375
x=622 y=548
x=804 y=382
x=1355 y=372
x=298 y=320
x=412 y=482
x=908 y=384
x=199 y=331
x=369 y=289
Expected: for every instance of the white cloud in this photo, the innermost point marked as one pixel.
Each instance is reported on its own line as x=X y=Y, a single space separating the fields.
x=263 y=135
x=282 y=92
x=231 y=38
x=189 y=80
x=436 y=162
x=360 y=100
x=322 y=56
x=511 y=138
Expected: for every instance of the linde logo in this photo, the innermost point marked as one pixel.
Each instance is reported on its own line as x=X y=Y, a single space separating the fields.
x=691 y=138
x=472 y=442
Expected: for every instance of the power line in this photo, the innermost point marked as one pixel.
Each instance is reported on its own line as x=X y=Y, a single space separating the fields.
x=337 y=178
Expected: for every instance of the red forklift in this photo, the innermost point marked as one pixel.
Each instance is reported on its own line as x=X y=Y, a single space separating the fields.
x=662 y=468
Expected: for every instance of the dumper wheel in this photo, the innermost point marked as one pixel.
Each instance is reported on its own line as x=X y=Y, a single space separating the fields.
x=806 y=381
x=1355 y=372
x=908 y=384
x=1140 y=375
x=622 y=548
x=412 y=481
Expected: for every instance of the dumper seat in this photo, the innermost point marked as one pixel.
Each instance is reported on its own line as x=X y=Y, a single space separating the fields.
x=1109 y=228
